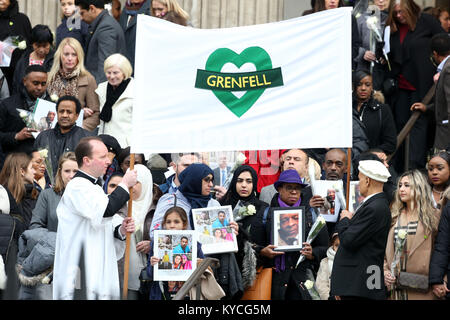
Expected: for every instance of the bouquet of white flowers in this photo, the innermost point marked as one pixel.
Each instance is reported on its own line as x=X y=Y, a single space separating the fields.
x=241 y=210
x=315 y=229
x=7 y=47
x=28 y=118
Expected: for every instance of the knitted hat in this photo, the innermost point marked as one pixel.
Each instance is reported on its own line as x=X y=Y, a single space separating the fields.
x=374 y=169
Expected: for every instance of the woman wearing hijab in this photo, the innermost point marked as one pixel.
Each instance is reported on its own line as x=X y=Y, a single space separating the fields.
x=140 y=244
x=252 y=237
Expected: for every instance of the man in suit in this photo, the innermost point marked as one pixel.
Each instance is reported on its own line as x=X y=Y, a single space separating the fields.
x=440 y=46
x=105 y=36
x=221 y=172
x=358 y=265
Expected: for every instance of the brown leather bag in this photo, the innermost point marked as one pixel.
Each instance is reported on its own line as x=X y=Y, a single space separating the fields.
x=262 y=287
x=412 y=281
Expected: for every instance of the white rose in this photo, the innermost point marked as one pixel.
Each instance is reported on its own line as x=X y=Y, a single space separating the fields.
x=402 y=234
x=43 y=153
x=54 y=97
x=251 y=209
x=309 y=284
x=321 y=219
x=23 y=114
x=22 y=45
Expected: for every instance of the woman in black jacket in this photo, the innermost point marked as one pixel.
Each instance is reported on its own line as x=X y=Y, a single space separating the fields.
x=41 y=52
x=376 y=117
x=287 y=279
x=413 y=69
x=252 y=235
x=440 y=259
x=13 y=23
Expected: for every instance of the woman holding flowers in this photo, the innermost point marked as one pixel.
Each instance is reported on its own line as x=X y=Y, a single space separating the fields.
x=248 y=212
x=411 y=237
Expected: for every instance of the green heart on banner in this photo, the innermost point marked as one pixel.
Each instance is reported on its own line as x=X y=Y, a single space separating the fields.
x=257 y=80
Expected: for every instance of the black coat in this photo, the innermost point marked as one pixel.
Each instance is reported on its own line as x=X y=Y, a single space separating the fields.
x=22 y=65
x=28 y=203
x=440 y=259
x=129 y=29
x=379 y=125
x=11 y=123
x=64 y=31
x=412 y=58
x=58 y=143
x=295 y=277
x=14 y=23
x=362 y=247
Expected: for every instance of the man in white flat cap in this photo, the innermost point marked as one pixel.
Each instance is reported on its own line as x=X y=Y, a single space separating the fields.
x=358 y=265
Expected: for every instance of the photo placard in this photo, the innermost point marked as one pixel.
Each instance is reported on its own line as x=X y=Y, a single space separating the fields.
x=288 y=227
x=332 y=191
x=213 y=229
x=355 y=196
x=177 y=251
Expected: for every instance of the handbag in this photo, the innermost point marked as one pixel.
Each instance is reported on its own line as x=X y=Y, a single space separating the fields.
x=262 y=286
x=412 y=281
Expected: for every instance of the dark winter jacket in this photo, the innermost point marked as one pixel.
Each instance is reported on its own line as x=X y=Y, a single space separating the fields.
x=72 y=30
x=440 y=259
x=59 y=143
x=11 y=122
x=22 y=65
x=129 y=29
x=28 y=203
x=379 y=125
x=292 y=277
x=14 y=23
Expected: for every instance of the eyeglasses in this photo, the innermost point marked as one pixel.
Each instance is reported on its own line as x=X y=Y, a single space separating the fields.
x=208 y=179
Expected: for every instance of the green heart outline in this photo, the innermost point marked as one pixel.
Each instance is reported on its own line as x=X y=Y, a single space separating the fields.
x=256 y=55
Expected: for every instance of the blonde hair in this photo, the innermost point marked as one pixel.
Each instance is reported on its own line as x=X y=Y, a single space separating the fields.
x=421 y=200
x=59 y=183
x=172 y=5
x=120 y=61
x=80 y=70
x=411 y=12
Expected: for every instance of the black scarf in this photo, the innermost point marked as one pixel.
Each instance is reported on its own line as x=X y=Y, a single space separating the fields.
x=112 y=95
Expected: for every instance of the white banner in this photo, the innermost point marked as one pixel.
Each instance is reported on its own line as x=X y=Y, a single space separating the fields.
x=271 y=86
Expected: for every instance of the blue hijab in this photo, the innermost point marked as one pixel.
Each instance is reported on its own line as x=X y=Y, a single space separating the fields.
x=191 y=184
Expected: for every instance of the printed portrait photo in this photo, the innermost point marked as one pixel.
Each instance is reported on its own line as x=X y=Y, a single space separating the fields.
x=287 y=229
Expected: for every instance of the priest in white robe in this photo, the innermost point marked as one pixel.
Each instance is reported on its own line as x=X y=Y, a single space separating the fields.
x=87 y=221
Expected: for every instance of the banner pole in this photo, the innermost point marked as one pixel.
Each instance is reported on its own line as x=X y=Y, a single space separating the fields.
x=349 y=168
x=127 y=248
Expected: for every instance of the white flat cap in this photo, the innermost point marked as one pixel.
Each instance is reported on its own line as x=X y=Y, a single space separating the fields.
x=374 y=170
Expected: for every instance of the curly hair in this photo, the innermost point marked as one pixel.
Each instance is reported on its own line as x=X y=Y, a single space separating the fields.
x=420 y=198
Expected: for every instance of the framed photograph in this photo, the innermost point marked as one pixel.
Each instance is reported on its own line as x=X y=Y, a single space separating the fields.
x=177 y=251
x=45 y=116
x=213 y=229
x=288 y=228
x=333 y=192
x=355 y=198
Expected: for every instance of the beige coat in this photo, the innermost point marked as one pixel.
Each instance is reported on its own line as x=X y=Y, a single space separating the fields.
x=89 y=99
x=120 y=125
x=418 y=257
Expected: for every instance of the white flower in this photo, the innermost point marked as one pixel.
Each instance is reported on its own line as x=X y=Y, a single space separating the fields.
x=309 y=284
x=321 y=219
x=240 y=158
x=251 y=209
x=402 y=234
x=43 y=153
x=23 y=114
x=372 y=21
x=22 y=45
x=54 y=97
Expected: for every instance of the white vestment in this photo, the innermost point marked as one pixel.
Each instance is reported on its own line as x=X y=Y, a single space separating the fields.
x=81 y=224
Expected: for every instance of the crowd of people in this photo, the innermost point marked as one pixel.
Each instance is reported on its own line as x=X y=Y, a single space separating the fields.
x=65 y=190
